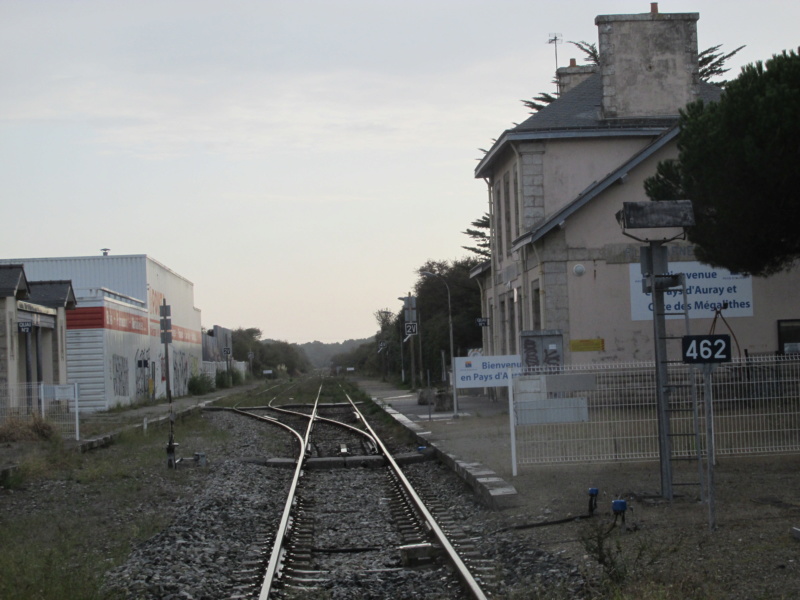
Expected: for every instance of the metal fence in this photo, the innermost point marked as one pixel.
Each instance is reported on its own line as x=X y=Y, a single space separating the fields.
x=587 y=413
x=55 y=404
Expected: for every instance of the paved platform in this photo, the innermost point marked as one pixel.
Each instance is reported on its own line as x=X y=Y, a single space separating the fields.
x=475 y=442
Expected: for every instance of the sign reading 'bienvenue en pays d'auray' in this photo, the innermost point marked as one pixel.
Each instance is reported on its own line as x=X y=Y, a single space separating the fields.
x=485 y=371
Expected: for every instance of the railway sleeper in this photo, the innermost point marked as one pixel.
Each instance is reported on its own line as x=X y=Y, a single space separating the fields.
x=247 y=577
x=304 y=584
x=369 y=460
x=302 y=557
x=244 y=593
x=412 y=555
x=346 y=462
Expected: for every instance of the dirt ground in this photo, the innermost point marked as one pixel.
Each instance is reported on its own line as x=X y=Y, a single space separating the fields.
x=751 y=553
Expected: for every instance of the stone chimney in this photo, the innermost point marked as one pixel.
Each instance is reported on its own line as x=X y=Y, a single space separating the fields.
x=569 y=77
x=648 y=63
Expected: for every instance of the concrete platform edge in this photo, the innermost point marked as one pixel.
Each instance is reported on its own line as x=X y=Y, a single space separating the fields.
x=492 y=490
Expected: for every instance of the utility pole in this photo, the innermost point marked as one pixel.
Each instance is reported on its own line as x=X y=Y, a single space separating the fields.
x=166 y=339
x=667 y=221
x=411 y=329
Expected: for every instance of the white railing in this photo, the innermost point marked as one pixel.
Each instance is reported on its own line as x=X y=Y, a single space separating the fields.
x=211 y=368
x=588 y=413
x=55 y=404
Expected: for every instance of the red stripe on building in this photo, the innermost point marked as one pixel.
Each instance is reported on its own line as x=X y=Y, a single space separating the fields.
x=103 y=317
x=90 y=317
x=122 y=321
x=179 y=334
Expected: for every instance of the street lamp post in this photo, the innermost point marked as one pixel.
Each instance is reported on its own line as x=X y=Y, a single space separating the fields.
x=450 y=322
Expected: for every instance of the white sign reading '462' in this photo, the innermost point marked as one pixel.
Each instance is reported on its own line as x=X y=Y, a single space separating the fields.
x=702 y=349
x=707 y=289
x=486 y=371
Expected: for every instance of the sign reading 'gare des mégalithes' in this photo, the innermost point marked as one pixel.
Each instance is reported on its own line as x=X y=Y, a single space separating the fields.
x=707 y=289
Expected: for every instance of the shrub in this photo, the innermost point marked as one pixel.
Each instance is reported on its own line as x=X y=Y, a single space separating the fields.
x=236 y=377
x=624 y=559
x=223 y=380
x=200 y=384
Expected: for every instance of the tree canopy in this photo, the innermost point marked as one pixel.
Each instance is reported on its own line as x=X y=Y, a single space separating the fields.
x=738 y=164
x=480 y=236
x=278 y=356
x=383 y=355
x=711 y=63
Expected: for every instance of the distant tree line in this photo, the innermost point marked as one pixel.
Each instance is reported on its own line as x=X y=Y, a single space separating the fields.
x=277 y=356
x=388 y=355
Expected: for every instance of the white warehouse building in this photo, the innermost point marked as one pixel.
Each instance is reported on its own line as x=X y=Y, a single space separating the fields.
x=114 y=349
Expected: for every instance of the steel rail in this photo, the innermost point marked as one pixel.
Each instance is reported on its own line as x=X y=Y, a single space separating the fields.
x=351 y=428
x=270 y=420
x=283 y=527
x=462 y=571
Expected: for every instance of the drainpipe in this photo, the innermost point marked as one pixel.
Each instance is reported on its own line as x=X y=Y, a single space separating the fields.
x=526 y=316
x=483 y=312
x=492 y=255
x=542 y=311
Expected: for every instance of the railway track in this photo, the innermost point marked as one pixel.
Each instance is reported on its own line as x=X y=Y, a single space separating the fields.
x=352 y=521
x=359 y=531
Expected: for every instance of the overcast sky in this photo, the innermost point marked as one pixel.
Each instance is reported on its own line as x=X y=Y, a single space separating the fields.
x=296 y=160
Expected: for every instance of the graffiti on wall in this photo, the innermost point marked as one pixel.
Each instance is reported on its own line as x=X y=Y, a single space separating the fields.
x=182 y=367
x=143 y=372
x=180 y=372
x=119 y=374
x=541 y=350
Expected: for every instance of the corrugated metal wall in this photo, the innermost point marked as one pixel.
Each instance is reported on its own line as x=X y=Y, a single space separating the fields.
x=114 y=349
x=186 y=350
x=123 y=274
x=85 y=362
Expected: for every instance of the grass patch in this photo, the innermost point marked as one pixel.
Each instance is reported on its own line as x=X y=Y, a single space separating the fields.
x=74 y=516
x=38 y=565
x=30 y=430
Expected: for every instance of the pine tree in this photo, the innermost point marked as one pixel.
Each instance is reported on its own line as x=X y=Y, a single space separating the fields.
x=480 y=235
x=737 y=163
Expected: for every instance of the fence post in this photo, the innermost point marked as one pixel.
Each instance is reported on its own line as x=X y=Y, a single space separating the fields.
x=512 y=424
x=711 y=458
x=77 y=412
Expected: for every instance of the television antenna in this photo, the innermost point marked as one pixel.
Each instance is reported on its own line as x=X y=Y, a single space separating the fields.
x=555 y=39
